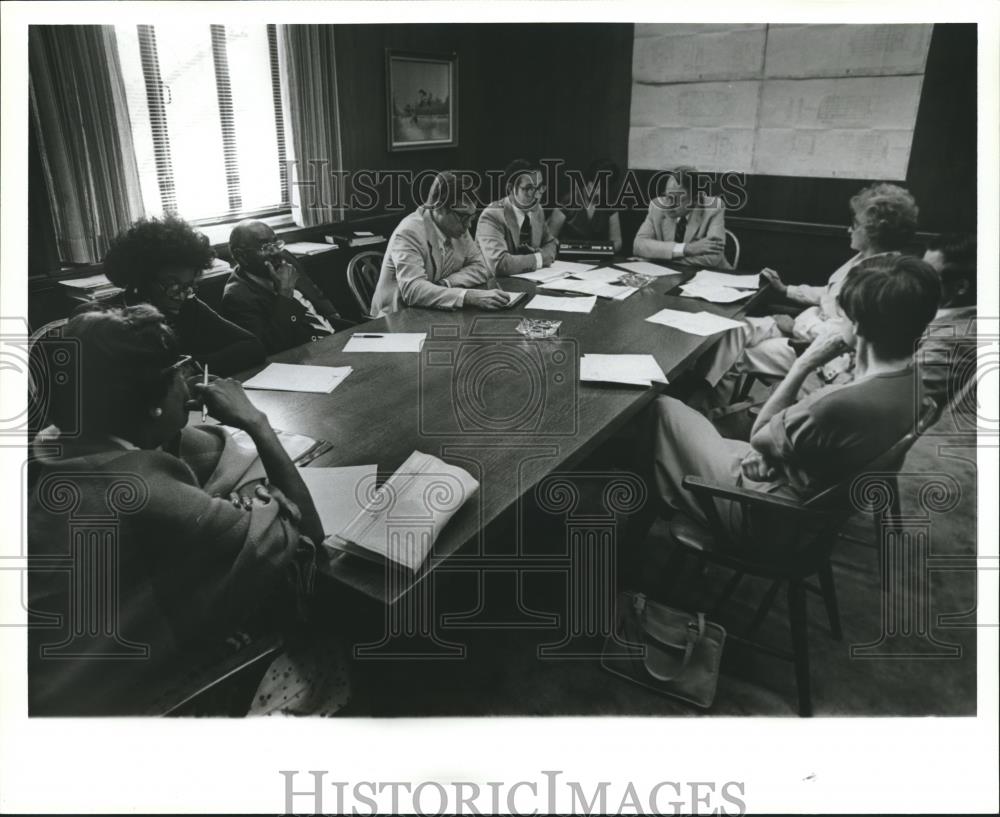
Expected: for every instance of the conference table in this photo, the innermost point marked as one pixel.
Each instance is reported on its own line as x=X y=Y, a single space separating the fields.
x=508 y=409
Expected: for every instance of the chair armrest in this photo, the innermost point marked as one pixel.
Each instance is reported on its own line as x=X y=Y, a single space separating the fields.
x=697 y=485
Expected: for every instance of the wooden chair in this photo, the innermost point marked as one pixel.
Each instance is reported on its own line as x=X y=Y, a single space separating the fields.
x=732 y=249
x=785 y=540
x=362 y=277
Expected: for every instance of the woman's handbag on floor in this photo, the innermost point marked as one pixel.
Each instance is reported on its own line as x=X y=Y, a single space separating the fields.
x=666 y=650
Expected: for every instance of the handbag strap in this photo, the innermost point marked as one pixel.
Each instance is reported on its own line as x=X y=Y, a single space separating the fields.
x=693 y=632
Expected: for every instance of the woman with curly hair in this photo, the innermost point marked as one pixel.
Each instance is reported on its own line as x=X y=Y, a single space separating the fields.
x=159 y=262
x=883 y=221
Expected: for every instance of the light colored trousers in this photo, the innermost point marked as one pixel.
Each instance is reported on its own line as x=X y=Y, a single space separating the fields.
x=757 y=346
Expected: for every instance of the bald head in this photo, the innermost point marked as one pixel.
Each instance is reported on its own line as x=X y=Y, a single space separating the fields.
x=252 y=243
x=249 y=234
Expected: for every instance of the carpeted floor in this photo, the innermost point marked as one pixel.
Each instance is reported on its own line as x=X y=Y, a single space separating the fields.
x=502 y=673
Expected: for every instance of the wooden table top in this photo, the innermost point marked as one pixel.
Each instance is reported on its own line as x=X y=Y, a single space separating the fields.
x=507 y=409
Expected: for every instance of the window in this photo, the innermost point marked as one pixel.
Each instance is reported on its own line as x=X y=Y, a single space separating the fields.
x=205 y=108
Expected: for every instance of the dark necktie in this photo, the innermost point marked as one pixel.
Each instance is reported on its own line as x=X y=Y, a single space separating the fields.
x=682 y=224
x=525 y=236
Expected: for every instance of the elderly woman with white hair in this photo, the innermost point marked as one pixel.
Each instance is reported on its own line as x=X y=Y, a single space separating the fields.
x=884 y=221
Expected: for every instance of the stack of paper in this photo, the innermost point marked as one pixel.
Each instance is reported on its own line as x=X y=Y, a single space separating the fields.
x=387 y=342
x=542 y=275
x=694 y=323
x=605 y=275
x=635 y=370
x=562 y=304
x=714 y=293
x=295 y=377
x=339 y=494
x=646 y=268
x=598 y=288
x=401 y=520
x=725 y=279
x=300 y=248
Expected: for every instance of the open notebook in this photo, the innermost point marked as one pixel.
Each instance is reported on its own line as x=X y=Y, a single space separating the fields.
x=403 y=518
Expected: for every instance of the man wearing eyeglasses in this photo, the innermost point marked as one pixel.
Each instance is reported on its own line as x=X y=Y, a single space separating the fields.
x=432 y=261
x=512 y=232
x=270 y=296
x=682 y=226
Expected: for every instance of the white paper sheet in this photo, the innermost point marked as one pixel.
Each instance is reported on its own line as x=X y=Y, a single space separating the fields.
x=694 y=323
x=513 y=298
x=571 y=267
x=295 y=377
x=635 y=370
x=339 y=494
x=388 y=342
x=542 y=275
x=551 y=304
x=646 y=268
x=300 y=248
x=725 y=279
x=714 y=294
x=605 y=275
x=418 y=500
x=598 y=288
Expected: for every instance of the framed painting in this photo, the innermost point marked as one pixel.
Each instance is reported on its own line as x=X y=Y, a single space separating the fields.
x=421 y=100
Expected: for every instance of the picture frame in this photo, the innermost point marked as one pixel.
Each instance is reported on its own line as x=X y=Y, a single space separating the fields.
x=421 y=100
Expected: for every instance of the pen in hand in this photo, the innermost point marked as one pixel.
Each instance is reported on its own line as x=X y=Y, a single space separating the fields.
x=204 y=408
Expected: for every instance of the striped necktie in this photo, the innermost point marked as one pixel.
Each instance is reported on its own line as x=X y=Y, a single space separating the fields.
x=320 y=324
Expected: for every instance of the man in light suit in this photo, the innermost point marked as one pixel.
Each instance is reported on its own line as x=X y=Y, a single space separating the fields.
x=431 y=259
x=676 y=231
x=512 y=232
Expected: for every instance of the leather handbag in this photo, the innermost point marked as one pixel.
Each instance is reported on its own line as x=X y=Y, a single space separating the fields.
x=669 y=651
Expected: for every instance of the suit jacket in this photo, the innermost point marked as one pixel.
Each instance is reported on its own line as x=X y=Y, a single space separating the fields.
x=498 y=234
x=279 y=321
x=414 y=273
x=655 y=238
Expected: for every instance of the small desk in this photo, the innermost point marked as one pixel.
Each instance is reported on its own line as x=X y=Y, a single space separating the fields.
x=507 y=409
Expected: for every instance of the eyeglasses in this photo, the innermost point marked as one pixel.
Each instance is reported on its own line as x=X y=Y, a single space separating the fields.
x=184 y=291
x=271 y=247
x=531 y=189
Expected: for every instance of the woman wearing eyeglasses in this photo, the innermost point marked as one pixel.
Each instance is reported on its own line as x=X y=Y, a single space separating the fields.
x=150 y=540
x=159 y=262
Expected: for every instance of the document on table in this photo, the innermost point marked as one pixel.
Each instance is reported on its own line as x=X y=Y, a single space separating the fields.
x=714 y=293
x=402 y=519
x=300 y=248
x=599 y=288
x=725 y=279
x=386 y=342
x=295 y=377
x=339 y=494
x=605 y=275
x=543 y=275
x=634 y=370
x=570 y=267
x=512 y=298
x=646 y=268
x=694 y=323
x=562 y=304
